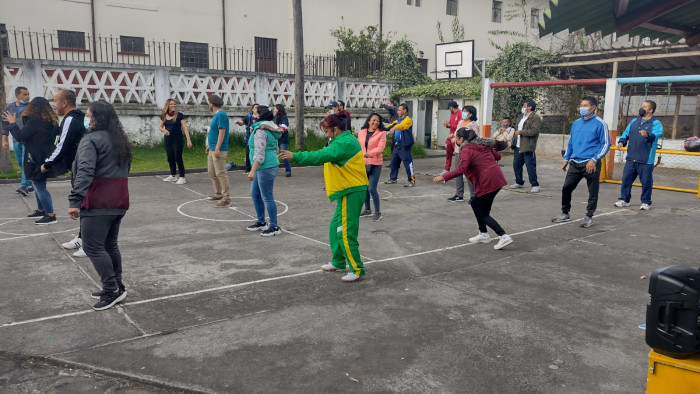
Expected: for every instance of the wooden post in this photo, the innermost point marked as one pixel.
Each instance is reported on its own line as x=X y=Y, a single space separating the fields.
x=299 y=75
x=676 y=111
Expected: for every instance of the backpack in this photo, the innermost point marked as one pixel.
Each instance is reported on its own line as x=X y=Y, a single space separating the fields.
x=692 y=144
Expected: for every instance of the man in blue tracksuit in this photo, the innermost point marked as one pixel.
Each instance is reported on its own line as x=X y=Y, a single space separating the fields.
x=589 y=142
x=640 y=139
x=402 y=129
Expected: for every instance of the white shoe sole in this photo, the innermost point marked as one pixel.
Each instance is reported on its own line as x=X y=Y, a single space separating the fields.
x=500 y=245
x=278 y=232
x=481 y=240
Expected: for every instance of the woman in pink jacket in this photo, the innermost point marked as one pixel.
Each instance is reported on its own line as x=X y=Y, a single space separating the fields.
x=372 y=139
x=478 y=161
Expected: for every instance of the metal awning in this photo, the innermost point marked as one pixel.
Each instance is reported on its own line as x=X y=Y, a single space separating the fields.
x=668 y=20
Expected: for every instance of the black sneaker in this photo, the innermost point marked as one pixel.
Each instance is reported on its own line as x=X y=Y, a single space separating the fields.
x=22 y=191
x=257 y=226
x=271 y=231
x=390 y=182
x=37 y=214
x=46 y=220
x=456 y=198
x=98 y=294
x=365 y=213
x=109 y=300
x=30 y=189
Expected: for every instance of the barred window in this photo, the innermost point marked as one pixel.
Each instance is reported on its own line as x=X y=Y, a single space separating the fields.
x=266 y=54
x=132 y=44
x=71 y=39
x=452 y=7
x=496 y=11
x=194 y=54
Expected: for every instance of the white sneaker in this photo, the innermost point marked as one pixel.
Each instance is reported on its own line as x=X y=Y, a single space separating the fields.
x=504 y=241
x=80 y=253
x=350 y=277
x=181 y=181
x=516 y=186
x=535 y=189
x=169 y=178
x=74 y=243
x=330 y=267
x=622 y=203
x=644 y=207
x=482 y=237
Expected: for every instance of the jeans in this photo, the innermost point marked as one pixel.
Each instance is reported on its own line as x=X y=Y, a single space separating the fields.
x=481 y=205
x=217 y=173
x=43 y=197
x=629 y=174
x=261 y=192
x=100 y=244
x=530 y=161
x=576 y=172
x=173 y=149
x=19 y=155
x=401 y=153
x=287 y=166
x=373 y=174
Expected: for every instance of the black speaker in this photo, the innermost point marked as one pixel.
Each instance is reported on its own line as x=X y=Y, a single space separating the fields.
x=673 y=311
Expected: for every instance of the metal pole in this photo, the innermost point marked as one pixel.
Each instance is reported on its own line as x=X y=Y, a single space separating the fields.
x=223 y=16
x=94 y=39
x=2 y=74
x=299 y=75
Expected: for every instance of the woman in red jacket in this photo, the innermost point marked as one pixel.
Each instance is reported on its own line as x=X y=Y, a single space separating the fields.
x=478 y=162
x=373 y=140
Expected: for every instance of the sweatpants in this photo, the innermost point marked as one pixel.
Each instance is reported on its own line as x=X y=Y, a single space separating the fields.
x=343 y=232
x=173 y=149
x=449 y=152
x=100 y=244
x=629 y=174
x=401 y=154
x=575 y=173
x=481 y=205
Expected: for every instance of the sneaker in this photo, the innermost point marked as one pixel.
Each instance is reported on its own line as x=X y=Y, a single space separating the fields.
x=230 y=166
x=98 y=294
x=366 y=213
x=180 y=181
x=587 y=222
x=377 y=216
x=564 y=217
x=257 y=226
x=622 y=203
x=223 y=204
x=214 y=198
x=109 y=300
x=46 y=220
x=504 y=240
x=535 y=189
x=390 y=182
x=80 y=253
x=644 y=207
x=330 y=267
x=22 y=191
x=271 y=231
x=410 y=184
x=456 y=198
x=30 y=189
x=74 y=243
x=37 y=214
x=516 y=186
x=288 y=174
x=246 y=172
x=170 y=178
x=350 y=277
x=481 y=237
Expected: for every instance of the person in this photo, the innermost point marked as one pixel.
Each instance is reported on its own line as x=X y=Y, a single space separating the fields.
x=455 y=118
x=38 y=134
x=100 y=197
x=467 y=121
x=640 y=138
x=282 y=123
x=372 y=141
x=479 y=162
x=346 y=183
x=341 y=108
x=589 y=142
x=391 y=108
x=524 y=145
x=263 y=155
x=16 y=108
x=403 y=141
x=172 y=124
x=217 y=150
x=333 y=108
x=504 y=135
x=249 y=119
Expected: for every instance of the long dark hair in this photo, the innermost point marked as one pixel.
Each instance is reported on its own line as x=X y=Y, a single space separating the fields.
x=468 y=134
x=281 y=113
x=40 y=108
x=366 y=125
x=105 y=118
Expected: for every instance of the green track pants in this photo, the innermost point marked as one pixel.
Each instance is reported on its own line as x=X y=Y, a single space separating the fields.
x=343 y=232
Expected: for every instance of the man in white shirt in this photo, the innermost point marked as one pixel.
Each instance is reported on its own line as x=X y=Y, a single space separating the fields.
x=524 y=145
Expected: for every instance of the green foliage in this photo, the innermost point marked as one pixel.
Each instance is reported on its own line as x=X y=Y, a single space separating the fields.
x=457 y=30
x=404 y=65
x=366 y=40
x=468 y=88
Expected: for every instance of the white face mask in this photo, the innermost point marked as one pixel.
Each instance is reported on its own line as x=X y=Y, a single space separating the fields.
x=86 y=123
x=523 y=111
x=465 y=115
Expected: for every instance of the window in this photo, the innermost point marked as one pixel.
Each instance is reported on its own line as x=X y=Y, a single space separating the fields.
x=71 y=39
x=452 y=7
x=266 y=55
x=496 y=10
x=132 y=44
x=4 y=40
x=417 y=3
x=194 y=54
x=409 y=2
x=534 y=18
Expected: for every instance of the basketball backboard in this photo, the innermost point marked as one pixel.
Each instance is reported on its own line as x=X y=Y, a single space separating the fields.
x=454 y=60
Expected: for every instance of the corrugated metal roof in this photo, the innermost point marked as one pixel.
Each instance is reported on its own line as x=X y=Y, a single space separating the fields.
x=599 y=16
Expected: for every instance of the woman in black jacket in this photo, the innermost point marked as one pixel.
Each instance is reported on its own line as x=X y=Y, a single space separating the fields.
x=38 y=135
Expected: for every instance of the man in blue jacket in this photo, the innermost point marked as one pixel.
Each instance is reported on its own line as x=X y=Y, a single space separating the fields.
x=402 y=129
x=640 y=139
x=589 y=142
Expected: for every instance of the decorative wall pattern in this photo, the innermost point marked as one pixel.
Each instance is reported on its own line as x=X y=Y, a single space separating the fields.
x=363 y=94
x=114 y=86
x=14 y=77
x=319 y=93
x=195 y=89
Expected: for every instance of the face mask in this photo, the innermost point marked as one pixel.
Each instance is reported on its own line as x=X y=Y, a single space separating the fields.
x=642 y=112
x=86 y=123
x=504 y=125
x=332 y=112
x=584 y=111
x=22 y=102
x=465 y=115
x=523 y=111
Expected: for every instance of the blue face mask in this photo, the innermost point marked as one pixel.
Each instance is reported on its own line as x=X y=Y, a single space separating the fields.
x=584 y=111
x=465 y=115
x=332 y=112
x=22 y=102
x=523 y=111
x=86 y=123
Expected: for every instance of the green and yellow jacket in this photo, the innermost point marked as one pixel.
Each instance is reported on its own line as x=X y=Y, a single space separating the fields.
x=344 y=168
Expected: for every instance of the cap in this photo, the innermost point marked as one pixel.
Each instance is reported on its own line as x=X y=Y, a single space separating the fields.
x=452 y=104
x=332 y=104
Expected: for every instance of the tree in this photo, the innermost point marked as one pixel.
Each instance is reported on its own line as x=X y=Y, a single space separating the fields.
x=359 y=55
x=404 y=65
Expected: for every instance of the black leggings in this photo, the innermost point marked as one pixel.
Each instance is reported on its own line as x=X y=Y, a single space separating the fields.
x=481 y=205
x=173 y=148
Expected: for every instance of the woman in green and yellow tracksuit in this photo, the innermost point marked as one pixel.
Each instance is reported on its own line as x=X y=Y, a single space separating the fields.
x=346 y=182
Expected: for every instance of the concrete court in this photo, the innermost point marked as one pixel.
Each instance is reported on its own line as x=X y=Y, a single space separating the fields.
x=215 y=308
